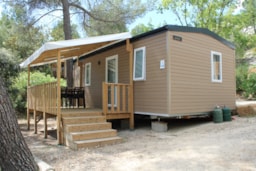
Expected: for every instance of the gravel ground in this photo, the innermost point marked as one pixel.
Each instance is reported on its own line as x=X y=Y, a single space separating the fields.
x=189 y=145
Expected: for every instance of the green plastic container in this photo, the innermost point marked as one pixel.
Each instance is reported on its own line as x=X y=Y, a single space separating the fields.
x=226 y=114
x=217 y=115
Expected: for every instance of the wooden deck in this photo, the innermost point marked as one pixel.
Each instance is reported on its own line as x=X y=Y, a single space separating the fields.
x=44 y=101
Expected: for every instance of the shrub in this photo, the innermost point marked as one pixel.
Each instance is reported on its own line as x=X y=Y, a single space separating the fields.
x=241 y=77
x=249 y=86
x=19 y=87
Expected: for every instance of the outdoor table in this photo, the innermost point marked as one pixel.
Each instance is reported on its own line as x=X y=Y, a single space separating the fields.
x=70 y=95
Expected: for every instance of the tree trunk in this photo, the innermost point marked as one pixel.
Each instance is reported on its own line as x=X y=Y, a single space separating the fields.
x=14 y=152
x=68 y=35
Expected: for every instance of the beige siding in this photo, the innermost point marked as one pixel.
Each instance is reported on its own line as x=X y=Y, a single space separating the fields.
x=150 y=95
x=93 y=93
x=183 y=87
x=192 y=90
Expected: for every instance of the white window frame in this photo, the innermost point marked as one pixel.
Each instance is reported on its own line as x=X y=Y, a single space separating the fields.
x=116 y=79
x=89 y=67
x=143 y=77
x=212 y=66
x=106 y=68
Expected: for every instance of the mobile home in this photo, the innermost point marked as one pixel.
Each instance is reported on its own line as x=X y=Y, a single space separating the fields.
x=176 y=71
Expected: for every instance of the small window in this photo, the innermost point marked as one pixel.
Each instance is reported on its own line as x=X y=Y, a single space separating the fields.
x=139 y=67
x=216 y=64
x=88 y=74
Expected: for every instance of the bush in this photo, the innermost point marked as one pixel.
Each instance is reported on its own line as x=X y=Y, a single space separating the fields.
x=249 y=86
x=8 y=67
x=19 y=87
x=241 y=77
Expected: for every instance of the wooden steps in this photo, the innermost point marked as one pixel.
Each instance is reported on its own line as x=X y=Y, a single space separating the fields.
x=88 y=126
x=87 y=135
x=83 y=119
x=97 y=142
x=84 y=130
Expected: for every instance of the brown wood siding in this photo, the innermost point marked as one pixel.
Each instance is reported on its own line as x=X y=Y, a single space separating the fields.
x=150 y=95
x=93 y=93
x=192 y=90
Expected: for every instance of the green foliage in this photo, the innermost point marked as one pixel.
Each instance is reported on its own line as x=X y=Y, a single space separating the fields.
x=109 y=17
x=246 y=81
x=220 y=17
x=200 y=13
x=249 y=14
x=8 y=66
x=141 y=28
x=19 y=87
x=249 y=86
x=17 y=35
x=57 y=32
x=241 y=77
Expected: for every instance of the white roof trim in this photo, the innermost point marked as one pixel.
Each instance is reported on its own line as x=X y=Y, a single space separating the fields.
x=72 y=43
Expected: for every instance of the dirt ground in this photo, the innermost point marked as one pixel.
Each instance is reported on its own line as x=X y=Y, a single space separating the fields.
x=192 y=144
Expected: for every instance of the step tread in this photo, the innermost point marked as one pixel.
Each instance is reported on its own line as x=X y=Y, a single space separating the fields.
x=81 y=117
x=97 y=140
x=87 y=124
x=80 y=114
x=92 y=132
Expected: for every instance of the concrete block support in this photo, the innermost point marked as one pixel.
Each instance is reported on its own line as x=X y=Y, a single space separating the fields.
x=159 y=126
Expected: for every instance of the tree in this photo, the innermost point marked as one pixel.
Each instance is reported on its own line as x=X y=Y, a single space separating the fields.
x=220 y=17
x=113 y=16
x=17 y=35
x=14 y=152
x=246 y=19
x=8 y=66
x=201 y=13
x=142 y=28
x=18 y=40
x=120 y=10
x=58 y=34
x=249 y=14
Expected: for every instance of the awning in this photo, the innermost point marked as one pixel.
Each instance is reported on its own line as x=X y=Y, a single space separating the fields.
x=71 y=48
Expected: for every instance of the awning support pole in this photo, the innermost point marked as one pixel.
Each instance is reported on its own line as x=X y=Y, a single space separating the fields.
x=129 y=48
x=59 y=135
x=28 y=114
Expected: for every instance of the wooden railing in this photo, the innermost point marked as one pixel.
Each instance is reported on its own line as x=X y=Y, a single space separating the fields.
x=116 y=98
x=43 y=98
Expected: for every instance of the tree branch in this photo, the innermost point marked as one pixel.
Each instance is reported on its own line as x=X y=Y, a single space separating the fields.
x=45 y=15
x=89 y=13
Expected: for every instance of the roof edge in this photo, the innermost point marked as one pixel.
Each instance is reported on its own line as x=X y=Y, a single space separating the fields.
x=63 y=44
x=185 y=29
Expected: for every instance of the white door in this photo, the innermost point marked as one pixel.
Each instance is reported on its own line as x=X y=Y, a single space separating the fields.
x=112 y=74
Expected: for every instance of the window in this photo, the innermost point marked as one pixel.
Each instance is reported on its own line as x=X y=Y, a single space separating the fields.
x=112 y=76
x=88 y=74
x=216 y=66
x=139 y=67
x=112 y=69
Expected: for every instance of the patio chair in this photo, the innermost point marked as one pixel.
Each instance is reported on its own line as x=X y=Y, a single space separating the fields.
x=78 y=93
x=64 y=96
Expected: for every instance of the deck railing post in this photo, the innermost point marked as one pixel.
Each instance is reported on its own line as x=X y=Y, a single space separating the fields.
x=129 y=48
x=112 y=101
x=44 y=109
x=105 y=98
x=118 y=104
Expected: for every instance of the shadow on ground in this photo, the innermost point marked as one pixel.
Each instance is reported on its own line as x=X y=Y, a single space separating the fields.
x=173 y=123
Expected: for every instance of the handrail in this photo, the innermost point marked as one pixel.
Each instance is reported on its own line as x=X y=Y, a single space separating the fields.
x=116 y=98
x=43 y=98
